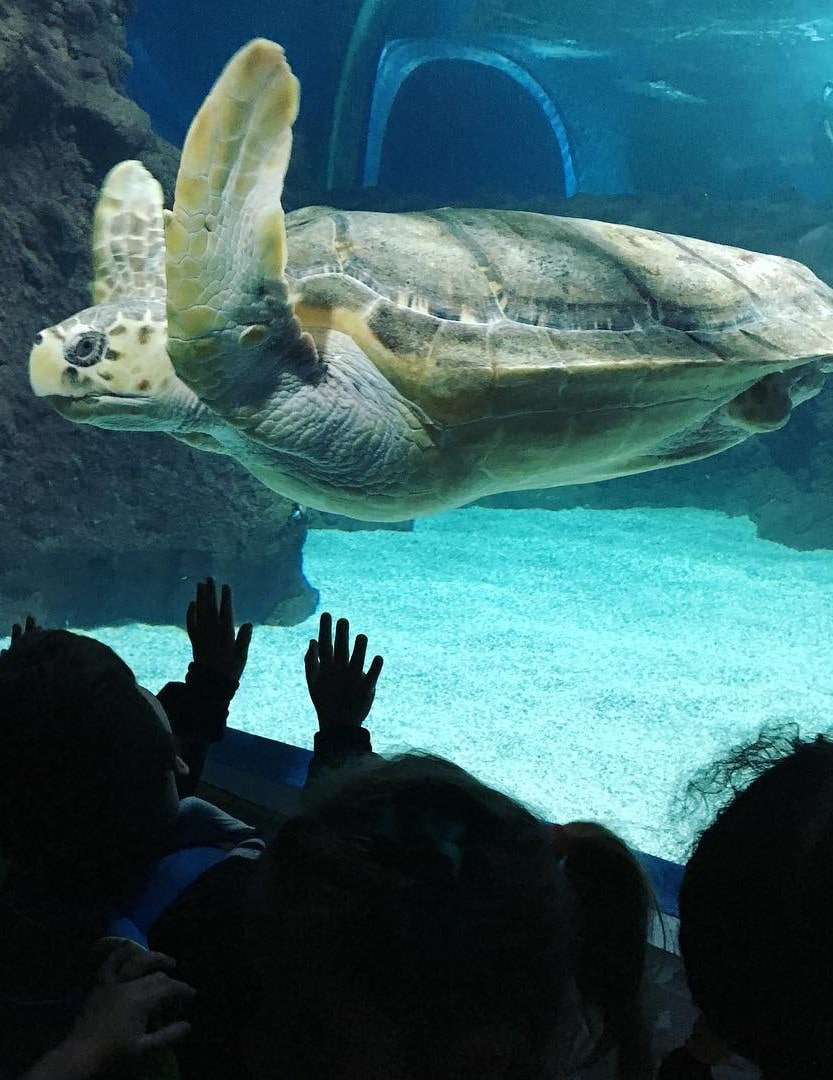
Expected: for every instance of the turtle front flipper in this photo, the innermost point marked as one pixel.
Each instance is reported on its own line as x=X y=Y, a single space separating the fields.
x=128 y=237
x=226 y=240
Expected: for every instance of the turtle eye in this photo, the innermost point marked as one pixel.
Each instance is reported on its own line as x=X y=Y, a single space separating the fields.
x=86 y=350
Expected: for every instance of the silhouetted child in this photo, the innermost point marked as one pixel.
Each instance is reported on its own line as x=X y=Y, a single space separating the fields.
x=90 y=811
x=88 y=802
x=756 y=933
x=409 y=923
x=413 y=923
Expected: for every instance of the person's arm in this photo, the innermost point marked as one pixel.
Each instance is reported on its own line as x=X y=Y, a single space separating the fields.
x=65 y=1062
x=198 y=708
x=117 y=1019
x=342 y=693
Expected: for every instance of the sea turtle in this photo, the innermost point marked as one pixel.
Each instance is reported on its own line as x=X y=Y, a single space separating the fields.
x=391 y=365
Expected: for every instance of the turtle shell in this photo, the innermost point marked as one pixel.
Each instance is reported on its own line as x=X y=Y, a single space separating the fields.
x=477 y=315
x=490 y=351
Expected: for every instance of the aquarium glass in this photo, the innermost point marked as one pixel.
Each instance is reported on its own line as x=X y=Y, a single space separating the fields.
x=585 y=646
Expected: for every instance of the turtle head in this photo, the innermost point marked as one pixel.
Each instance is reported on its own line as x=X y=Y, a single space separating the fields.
x=109 y=366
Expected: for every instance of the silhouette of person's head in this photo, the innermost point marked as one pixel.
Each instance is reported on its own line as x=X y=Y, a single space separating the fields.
x=410 y=922
x=756 y=930
x=87 y=792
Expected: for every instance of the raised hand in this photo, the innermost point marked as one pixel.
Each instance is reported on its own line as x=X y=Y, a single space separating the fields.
x=341 y=690
x=28 y=626
x=18 y=630
x=211 y=630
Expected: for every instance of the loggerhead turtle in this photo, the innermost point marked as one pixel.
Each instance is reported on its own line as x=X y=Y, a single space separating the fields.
x=385 y=366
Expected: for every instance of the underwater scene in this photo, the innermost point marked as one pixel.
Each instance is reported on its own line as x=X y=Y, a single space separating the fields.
x=500 y=329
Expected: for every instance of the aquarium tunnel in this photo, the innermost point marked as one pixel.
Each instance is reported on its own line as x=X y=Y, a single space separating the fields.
x=557 y=306
x=454 y=94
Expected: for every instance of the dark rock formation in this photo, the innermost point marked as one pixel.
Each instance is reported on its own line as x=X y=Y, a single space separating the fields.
x=101 y=527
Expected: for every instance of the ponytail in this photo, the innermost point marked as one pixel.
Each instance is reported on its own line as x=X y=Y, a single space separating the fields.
x=614 y=902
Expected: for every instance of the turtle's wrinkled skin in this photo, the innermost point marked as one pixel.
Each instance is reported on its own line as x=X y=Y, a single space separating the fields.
x=386 y=366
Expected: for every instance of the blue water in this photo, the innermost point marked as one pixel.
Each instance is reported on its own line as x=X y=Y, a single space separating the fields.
x=586 y=661
x=655 y=97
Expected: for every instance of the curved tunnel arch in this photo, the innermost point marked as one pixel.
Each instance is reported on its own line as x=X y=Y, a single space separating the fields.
x=400 y=59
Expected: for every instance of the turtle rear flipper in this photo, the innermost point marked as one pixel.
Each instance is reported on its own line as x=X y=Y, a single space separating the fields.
x=225 y=237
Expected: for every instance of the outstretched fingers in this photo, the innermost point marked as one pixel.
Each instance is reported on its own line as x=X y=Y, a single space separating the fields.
x=341 y=651
x=312 y=662
x=359 y=654
x=325 y=638
x=242 y=643
x=226 y=610
x=27 y=627
x=373 y=672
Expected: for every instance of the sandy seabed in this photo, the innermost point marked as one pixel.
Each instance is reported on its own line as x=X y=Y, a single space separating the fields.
x=585 y=661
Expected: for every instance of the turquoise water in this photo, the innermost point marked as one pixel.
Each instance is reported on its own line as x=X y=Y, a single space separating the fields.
x=585 y=661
